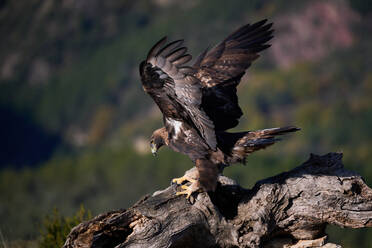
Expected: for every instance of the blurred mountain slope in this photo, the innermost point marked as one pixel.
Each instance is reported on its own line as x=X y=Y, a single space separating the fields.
x=61 y=62
x=91 y=98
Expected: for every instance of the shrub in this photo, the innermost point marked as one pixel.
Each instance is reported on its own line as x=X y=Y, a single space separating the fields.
x=56 y=227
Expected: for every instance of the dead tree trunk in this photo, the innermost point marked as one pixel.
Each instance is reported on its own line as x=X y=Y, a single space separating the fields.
x=291 y=209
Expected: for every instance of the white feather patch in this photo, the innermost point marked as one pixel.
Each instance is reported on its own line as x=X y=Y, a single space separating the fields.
x=177 y=125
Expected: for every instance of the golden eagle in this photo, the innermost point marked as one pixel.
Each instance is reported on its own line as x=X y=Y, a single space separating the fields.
x=199 y=102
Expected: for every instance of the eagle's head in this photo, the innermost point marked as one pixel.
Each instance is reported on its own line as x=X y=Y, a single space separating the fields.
x=158 y=139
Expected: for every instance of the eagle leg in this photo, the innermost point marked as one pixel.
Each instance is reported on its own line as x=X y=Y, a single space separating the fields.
x=182 y=179
x=188 y=190
x=191 y=176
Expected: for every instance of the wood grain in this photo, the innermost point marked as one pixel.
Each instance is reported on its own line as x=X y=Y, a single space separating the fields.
x=291 y=209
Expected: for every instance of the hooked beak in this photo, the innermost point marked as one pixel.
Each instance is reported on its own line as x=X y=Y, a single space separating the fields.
x=153 y=149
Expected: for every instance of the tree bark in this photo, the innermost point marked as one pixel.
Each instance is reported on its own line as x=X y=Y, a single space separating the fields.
x=291 y=209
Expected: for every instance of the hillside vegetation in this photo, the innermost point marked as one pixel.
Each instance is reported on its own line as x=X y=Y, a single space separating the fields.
x=75 y=122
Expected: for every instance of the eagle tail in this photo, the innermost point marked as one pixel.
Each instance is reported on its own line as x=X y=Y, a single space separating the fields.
x=248 y=142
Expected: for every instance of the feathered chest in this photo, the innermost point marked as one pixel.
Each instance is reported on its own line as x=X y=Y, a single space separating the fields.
x=177 y=130
x=185 y=139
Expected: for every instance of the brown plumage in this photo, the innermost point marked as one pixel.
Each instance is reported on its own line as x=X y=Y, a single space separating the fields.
x=199 y=102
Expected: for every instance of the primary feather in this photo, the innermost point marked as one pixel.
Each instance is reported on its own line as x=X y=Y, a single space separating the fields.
x=199 y=102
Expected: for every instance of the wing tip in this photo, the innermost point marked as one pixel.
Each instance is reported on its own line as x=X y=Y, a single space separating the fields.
x=155 y=48
x=168 y=48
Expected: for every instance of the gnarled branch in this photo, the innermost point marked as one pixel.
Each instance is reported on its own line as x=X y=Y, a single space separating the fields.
x=291 y=209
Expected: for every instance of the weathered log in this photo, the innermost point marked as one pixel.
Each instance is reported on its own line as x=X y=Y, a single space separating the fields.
x=291 y=209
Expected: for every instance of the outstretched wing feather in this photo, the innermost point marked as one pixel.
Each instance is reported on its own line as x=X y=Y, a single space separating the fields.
x=237 y=51
x=220 y=70
x=176 y=54
x=182 y=60
x=170 y=59
x=155 y=49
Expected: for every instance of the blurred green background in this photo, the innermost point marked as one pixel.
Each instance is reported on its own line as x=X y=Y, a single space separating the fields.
x=75 y=122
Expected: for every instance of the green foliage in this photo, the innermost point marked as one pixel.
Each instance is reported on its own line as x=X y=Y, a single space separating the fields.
x=56 y=227
x=19 y=244
x=98 y=91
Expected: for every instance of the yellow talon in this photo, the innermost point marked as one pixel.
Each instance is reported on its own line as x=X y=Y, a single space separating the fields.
x=186 y=192
x=180 y=180
x=184 y=187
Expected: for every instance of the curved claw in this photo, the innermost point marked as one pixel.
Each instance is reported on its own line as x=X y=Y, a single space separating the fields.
x=182 y=179
x=188 y=190
x=185 y=192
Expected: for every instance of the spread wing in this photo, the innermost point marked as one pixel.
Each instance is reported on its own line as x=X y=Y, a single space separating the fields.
x=220 y=70
x=168 y=61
